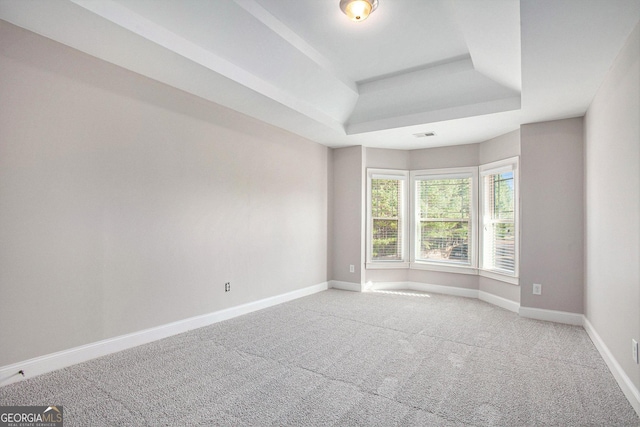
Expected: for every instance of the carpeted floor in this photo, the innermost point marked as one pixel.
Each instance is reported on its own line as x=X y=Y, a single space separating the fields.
x=347 y=359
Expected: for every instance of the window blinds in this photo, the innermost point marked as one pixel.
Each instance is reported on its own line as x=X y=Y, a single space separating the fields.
x=387 y=217
x=443 y=219
x=499 y=221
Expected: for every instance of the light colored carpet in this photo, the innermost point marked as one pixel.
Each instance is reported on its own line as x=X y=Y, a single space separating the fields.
x=347 y=359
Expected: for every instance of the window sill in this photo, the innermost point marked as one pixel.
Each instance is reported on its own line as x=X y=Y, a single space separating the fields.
x=386 y=265
x=453 y=268
x=501 y=277
x=457 y=269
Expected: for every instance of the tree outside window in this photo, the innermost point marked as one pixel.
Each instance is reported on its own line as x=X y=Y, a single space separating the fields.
x=386 y=217
x=499 y=227
x=444 y=219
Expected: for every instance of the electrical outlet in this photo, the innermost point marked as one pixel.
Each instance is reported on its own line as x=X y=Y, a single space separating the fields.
x=352 y=268
x=537 y=289
x=227 y=286
x=634 y=349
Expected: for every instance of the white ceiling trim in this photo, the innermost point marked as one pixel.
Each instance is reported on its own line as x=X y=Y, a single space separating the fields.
x=446 y=91
x=296 y=41
x=436 y=116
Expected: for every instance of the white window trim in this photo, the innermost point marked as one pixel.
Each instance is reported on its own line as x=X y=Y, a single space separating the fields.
x=448 y=173
x=387 y=265
x=506 y=165
x=403 y=262
x=446 y=268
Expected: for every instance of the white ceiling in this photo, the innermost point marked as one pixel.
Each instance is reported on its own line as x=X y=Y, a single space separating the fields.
x=469 y=70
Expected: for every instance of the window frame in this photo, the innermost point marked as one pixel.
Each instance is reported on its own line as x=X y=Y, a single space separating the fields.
x=402 y=175
x=445 y=266
x=501 y=166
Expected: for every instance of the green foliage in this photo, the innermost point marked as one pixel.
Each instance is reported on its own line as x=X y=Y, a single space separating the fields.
x=386 y=196
x=441 y=235
x=445 y=198
x=385 y=239
x=503 y=196
x=444 y=217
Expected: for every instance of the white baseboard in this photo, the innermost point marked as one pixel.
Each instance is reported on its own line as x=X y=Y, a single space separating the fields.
x=507 y=304
x=552 y=315
x=446 y=290
x=628 y=388
x=51 y=362
x=385 y=286
x=345 y=286
x=423 y=287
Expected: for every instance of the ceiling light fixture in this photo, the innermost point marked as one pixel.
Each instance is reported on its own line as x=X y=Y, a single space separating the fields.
x=358 y=10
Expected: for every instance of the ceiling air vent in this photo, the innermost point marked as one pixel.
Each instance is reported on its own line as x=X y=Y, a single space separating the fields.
x=424 y=134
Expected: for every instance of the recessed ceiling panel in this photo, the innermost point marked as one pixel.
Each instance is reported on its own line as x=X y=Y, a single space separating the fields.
x=399 y=35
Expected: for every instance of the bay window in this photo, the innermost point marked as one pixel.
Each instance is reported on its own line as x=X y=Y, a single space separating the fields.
x=462 y=220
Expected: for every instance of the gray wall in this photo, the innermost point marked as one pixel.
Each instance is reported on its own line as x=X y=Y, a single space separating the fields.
x=440 y=278
x=551 y=197
x=444 y=157
x=612 y=200
x=387 y=159
x=348 y=199
x=126 y=204
x=500 y=148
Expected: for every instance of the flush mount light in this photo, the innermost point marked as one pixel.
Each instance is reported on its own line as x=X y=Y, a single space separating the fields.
x=358 y=10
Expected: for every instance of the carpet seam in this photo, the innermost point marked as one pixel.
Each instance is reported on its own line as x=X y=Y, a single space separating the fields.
x=129 y=410
x=366 y=392
x=413 y=334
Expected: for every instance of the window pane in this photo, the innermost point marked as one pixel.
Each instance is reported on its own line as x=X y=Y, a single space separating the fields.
x=385 y=198
x=441 y=240
x=444 y=212
x=386 y=219
x=386 y=242
x=501 y=246
x=502 y=195
x=499 y=226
